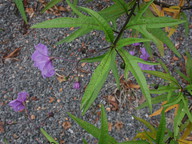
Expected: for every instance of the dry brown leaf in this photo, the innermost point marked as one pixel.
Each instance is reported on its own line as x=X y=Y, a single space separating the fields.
x=61 y=78
x=13 y=54
x=175 y=58
x=30 y=12
x=110 y=126
x=83 y=64
x=66 y=125
x=60 y=90
x=112 y=100
x=119 y=125
x=60 y=8
x=2 y=130
x=51 y=99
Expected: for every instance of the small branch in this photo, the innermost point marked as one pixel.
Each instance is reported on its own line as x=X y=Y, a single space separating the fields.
x=124 y=26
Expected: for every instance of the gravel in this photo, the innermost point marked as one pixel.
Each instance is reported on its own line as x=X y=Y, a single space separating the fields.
x=48 y=95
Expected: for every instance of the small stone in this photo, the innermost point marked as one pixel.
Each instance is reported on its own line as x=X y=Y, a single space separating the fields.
x=15 y=136
x=32 y=117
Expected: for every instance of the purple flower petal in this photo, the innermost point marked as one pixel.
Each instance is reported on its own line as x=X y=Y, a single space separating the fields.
x=131 y=52
x=22 y=96
x=42 y=61
x=146 y=67
x=136 y=44
x=76 y=85
x=144 y=55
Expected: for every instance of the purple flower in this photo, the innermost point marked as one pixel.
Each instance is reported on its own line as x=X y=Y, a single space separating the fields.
x=18 y=104
x=76 y=85
x=131 y=52
x=144 y=55
x=42 y=61
x=136 y=44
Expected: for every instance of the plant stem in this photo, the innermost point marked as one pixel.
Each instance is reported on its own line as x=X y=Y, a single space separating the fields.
x=124 y=26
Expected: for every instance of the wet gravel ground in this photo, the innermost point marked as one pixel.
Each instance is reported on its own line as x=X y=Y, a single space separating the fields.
x=49 y=95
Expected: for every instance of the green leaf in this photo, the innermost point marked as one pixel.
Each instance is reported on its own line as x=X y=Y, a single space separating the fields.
x=128 y=41
x=147 y=124
x=20 y=6
x=48 y=137
x=102 y=23
x=154 y=100
x=178 y=118
x=163 y=89
x=85 y=142
x=132 y=64
x=65 y=22
x=104 y=128
x=183 y=75
x=94 y=59
x=73 y=7
x=164 y=76
x=154 y=22
x=134 y=142
x=187 y=111
x=186 y=24
x=80 y=32
x=188 y=66
x=49 y=5
x=97 y=80
x=162 y=36
x=91 y=129
x=161 y=129
x=122 y=4
x=115 y=71
x=142 y=10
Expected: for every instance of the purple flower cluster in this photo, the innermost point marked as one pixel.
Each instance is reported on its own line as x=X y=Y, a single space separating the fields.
x=18 y=104
x=42 y=61
x=144 y=55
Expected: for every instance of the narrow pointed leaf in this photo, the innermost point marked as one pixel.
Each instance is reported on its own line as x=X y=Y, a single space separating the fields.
x=48 y=137
x=97 y=80
x=163 y=37
x=65 y=22
x=147 y=124
x=115 y=71
x=156 y=22
x=178 y=118
x=102 y=23
x=94 y=59
x=134 y=142
x=142 y=10
x=73 y=7
x=154 y=100
x=91 y=129
x=122 y=4
x=128 y=41
x=20 y=6
x=49 y=5
x=137 y=73
x=161 y=129
x=80 y=32
x=85 y=142
x=103 y=139
x=163 y=76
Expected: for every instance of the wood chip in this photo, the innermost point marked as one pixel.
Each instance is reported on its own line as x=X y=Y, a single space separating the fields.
x=51 y=99
x=119 y=125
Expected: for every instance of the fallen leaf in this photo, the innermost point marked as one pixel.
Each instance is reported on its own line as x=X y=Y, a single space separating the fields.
x=66 y=125
x=30 y=12
x=60 y=90
x=175 y=58
x=112 y=100
x=61 y=78
x=51 y=99
x=119 y=125
x=110 y=126
x=60 y=8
